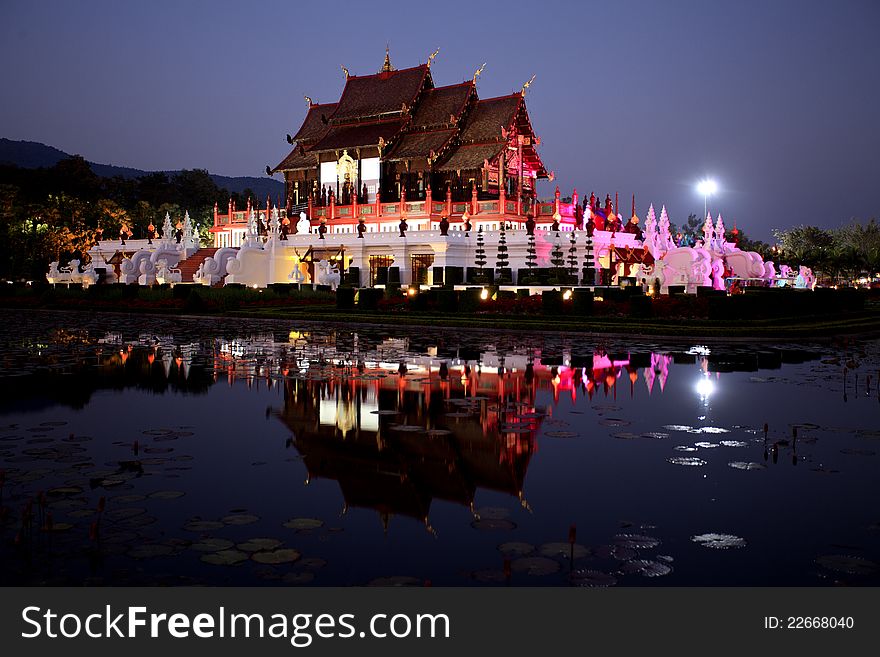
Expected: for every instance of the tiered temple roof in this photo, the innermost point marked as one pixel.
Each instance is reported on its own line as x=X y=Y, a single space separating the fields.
x=401 y=116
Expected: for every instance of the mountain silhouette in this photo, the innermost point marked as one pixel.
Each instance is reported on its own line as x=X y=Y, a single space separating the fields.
x=33 y=155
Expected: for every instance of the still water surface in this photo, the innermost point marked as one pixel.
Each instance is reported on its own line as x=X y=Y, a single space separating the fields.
x=144 y=450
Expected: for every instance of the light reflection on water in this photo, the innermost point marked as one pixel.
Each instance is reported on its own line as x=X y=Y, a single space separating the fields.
x=253 y=452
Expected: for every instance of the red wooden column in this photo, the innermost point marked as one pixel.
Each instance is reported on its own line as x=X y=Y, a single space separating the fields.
x=216 y=216
x=556 y=200
x=332 y=205
x=428 y=205
x=474 y=206
x=448 y=202
x=378 y=210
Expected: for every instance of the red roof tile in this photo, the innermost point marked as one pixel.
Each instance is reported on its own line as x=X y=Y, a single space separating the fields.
x=471 y=156
x=371 y=96
x=315 y=123
x=485 y=120
x=420 y=144
x=437 y=105
x=354 y=135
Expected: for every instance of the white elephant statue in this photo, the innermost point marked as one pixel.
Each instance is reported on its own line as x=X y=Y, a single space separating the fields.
x=746 y=264
x=769 y=272
x=327 y=274
x=75 y=273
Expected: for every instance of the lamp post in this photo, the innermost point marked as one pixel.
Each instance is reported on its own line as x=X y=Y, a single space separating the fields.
x=706 y=187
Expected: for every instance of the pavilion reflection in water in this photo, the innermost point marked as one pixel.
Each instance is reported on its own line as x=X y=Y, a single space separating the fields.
x=397 y=437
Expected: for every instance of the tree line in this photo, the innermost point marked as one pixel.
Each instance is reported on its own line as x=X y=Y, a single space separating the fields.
x=53 y=213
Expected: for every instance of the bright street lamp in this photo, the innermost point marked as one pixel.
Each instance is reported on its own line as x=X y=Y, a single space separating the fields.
x=706 y=187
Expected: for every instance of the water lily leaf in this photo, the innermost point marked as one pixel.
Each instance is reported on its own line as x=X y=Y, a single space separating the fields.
x=646 y=568
x=258 y=544
x=747 y=465
x=300 y=524
x=166 y=494
x=239 y=519
x=212 y=545
x=636 y=541
x=225 y=558
x=284 y=555
x=850 y=565
x=686 y=461
x=202 y=525
x=719 y=541
x=592 y=579
x=516 y=549
x=124 y=513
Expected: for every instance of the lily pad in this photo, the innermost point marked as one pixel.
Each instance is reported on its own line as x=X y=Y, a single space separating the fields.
x=593 y=579
x=212 y=545
x=535 y=566
x=239 y=519
x=646 y=568
x=516 y=549
x=202 y=525
x=258 y=544
x=686 y=461
x=284 y=555
x=302 y=577
x=301 y=524
x=166 y=494
x=850 y=565
x=719 y=541
x=225 y=558
x=636 y=541
x=747 y=465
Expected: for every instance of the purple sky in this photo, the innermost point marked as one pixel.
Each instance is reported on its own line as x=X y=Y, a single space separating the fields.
x=777 y=100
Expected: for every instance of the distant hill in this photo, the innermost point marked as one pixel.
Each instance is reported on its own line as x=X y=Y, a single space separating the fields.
x=33 y=155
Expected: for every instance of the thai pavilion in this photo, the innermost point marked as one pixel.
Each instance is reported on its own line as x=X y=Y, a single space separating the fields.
x=397 y=144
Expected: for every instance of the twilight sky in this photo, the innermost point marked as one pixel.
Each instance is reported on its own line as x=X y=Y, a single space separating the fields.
x=776 y=99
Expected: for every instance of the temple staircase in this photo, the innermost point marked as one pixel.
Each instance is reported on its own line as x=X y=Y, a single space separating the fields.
x=191 y=265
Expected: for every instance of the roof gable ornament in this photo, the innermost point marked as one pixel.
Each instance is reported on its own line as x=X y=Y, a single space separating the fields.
x=381 y=145
x=386 y=66
x=308 y=100
x=344 y=70
x=432 y=56
x=527 y=85
x=478 y=72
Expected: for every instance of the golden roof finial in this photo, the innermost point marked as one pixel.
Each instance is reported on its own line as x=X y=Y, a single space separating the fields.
x=527 y=85
x=344 y=70
x=432 y=56
x=387 y=67
x=308 y=100
x=478 y=72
